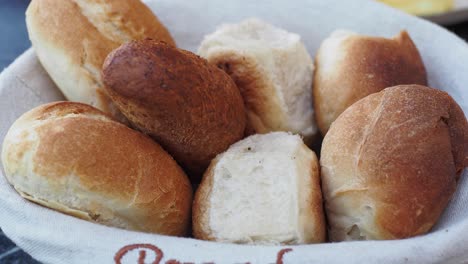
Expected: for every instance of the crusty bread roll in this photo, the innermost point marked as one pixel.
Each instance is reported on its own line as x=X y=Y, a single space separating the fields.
x=264 y=189
x=273 y=71
x=193 y=109
x=390 y=163
x=75 y=159
x=351 y=66
x=73 y=37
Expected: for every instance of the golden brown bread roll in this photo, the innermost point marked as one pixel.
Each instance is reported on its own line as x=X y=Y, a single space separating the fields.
x=349 y=67
x=390 y=163
x=73 y=37
x=75 y=159
x=193 y=109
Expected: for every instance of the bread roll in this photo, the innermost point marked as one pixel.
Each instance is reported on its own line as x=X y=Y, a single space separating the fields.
x=75 y=159
x=193 y=109
x=390 y=163
x=264 y=189
x=351 y=66
x=73 y=37
x=273 y=71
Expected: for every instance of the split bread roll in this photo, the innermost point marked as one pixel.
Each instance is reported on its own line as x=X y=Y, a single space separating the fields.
x=273 y=71
x=264 y=189
x=193 y=109
x=351 y=66
x=390 y=163
x=75 y=159
x=73 y=37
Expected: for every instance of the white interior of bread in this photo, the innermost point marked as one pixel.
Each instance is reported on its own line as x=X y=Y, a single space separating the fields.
x=281 y=58
x=260 y=189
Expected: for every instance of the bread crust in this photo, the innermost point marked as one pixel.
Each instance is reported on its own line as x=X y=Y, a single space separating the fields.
x=124 y=20
x=201 y=205
x=75 y=159
x=391 y=161
x=193 y=109
x=259 y=95
x=349 y=69
x=319 y=233
x=73 y=37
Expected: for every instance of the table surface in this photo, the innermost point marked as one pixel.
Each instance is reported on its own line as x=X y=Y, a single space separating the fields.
x=15 y=41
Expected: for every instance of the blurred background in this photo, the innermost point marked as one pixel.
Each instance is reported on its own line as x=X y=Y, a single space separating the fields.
x=452 y=14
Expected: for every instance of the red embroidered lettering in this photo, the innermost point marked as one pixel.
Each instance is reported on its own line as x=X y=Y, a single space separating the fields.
x=141 y=255
x=173 y=261
x=281 y=253
x=144 y=248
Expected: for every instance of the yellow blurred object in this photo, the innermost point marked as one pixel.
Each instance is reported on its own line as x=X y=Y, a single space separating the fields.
x=421 y=7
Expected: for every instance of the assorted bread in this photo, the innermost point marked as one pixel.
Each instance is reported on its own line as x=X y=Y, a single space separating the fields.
x=193 y=109
x=390 y=161
x=350 y=66
x=272 y=69
x=75 y=159
x=264 y=189
x=73 y=37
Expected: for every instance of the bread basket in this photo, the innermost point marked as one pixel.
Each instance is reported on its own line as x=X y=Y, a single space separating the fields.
x=52 y=237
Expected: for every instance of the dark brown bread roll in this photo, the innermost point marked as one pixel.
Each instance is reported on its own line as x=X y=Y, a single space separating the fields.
x=193 y=109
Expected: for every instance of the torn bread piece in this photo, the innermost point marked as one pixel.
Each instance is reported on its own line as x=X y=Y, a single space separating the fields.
x=264 y=189
x=273 y=71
